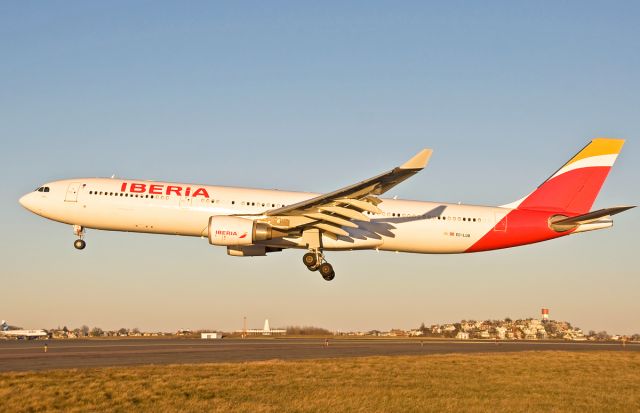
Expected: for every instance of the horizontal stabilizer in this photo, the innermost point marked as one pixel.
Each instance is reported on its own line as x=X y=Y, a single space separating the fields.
x=591 y=216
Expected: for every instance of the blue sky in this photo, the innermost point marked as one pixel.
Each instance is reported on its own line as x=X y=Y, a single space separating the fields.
x=315 y=96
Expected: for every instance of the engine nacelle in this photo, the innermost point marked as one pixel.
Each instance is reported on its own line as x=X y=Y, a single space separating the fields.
x=235 y=231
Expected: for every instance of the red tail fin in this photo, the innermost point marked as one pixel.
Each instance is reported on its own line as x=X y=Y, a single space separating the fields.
x=575 y=186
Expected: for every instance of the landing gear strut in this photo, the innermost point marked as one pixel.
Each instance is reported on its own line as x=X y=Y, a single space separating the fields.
x=314 y=260
x=79 y=244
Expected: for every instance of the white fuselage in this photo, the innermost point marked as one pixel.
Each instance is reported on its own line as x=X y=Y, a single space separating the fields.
x=24 y=333
x=185 y=209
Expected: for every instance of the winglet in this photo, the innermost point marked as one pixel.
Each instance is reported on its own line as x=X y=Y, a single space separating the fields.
x=419 y=161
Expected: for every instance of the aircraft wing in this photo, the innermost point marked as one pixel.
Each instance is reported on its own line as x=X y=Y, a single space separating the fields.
x=329 y=212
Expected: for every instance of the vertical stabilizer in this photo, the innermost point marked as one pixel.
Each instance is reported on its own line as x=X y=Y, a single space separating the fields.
x=575 y=186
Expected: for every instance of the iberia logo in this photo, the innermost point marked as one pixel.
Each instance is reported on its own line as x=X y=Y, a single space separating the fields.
x=225 y=233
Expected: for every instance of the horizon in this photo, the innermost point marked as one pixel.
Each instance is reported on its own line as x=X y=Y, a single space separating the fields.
x=287 y=326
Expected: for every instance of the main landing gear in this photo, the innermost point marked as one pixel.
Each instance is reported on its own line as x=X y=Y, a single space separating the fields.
x=79 y=244
x=314 y=260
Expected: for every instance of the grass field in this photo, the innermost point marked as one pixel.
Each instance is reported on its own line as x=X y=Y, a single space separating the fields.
x=513 y=382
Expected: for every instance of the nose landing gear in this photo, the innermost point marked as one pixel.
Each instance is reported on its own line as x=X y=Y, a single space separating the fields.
x=79 y=244
x=78 y=231
x=314 y=261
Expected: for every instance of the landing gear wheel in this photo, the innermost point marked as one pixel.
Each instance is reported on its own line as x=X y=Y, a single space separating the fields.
x=79 y=244
x=326 y=270
x=310 y=260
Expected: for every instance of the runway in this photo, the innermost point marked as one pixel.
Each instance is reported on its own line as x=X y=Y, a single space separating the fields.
x=30 y=355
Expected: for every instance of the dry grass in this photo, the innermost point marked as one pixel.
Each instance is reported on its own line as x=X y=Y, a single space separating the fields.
x=513 y=382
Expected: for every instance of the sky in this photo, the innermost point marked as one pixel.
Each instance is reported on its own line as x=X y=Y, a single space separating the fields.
x=315 y=96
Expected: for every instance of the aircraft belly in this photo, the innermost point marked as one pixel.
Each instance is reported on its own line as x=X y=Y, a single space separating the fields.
x=434 y=236
x=166 y=219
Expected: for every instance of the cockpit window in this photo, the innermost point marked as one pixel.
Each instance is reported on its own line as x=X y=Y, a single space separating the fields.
x=46 y=189
x=43 y=189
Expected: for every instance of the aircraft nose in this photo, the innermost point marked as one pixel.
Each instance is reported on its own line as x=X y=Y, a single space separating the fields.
x=27 y=201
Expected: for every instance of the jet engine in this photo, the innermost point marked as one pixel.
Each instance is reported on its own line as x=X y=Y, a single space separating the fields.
x=235 y=231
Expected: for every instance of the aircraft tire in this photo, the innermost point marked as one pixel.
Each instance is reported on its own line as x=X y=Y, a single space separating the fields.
x=79 y=244
x=310 y=260
x=326 y=270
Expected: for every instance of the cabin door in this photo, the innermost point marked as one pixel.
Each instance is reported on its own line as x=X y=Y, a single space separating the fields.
x=72 y=192
x=501 y=221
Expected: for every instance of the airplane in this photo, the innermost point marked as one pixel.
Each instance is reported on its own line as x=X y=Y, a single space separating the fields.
x=21 y=334
x=256 y=222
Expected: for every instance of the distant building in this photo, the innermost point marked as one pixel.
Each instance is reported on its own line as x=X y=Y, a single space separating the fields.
x=462 y=335
x=545 y=314
x=210 y=336
x=266 y=331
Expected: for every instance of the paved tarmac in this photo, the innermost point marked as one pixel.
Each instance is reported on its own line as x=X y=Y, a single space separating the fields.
x=30 y=355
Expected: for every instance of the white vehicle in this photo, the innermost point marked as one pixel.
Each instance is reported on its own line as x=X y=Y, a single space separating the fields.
x=255 y=222
x=21 y=334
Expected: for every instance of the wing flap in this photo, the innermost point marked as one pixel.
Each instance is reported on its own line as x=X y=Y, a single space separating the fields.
x=361 y=205
x=345 y=212
x=331 y=219
x=331 y=228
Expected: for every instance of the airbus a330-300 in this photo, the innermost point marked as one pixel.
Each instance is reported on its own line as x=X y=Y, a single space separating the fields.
x=256 y=222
